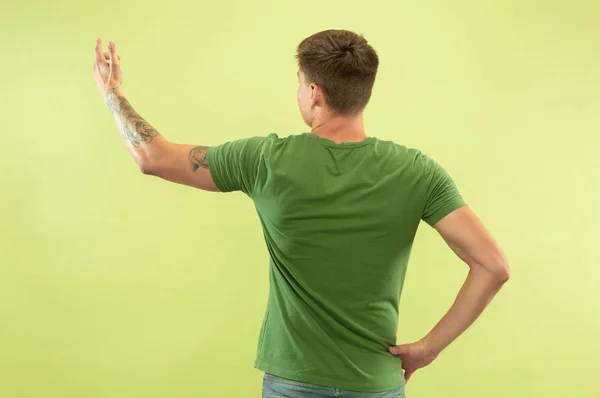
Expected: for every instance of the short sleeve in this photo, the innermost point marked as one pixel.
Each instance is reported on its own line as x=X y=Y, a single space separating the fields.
x=442 y=195
x=234 y=164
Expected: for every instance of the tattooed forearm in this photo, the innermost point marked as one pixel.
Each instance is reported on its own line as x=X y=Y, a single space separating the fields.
x=198 y=157
x=161 y=158
x=133 y=128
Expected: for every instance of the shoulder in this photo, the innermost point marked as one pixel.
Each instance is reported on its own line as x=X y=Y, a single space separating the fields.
x=415 y=158
x=396 y=147
x=274 y=141
x=253 y=143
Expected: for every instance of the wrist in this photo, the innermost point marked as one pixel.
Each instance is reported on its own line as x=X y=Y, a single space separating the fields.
x=111 y=92
x=431 y=349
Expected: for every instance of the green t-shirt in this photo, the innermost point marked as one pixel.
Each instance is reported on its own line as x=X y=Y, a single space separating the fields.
x=339 y=221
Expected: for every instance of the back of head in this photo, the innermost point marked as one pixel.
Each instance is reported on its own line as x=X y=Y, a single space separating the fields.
x=343 y=64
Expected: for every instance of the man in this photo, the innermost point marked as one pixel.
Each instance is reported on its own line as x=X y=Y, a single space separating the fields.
x=339 y=212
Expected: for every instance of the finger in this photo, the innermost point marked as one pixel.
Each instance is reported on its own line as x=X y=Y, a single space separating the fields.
x=98 y=50
x=107 y=57
x=398 y=349
x=112 y=53
x=407 y=375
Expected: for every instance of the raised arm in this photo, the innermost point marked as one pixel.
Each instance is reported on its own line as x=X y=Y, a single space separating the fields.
x=154 y=155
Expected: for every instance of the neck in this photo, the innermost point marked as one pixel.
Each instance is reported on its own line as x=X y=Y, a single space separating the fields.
x=340 y=129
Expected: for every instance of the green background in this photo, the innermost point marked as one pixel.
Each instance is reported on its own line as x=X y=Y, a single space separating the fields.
x=115 y=284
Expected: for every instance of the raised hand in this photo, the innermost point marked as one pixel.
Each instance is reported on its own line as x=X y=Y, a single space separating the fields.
x=107 y=68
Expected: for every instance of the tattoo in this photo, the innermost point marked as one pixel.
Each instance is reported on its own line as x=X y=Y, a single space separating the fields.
x=132 y=127
x=136 y=130
x=198 y=157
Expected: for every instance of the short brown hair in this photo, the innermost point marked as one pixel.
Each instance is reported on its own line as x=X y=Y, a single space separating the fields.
x=343 y=64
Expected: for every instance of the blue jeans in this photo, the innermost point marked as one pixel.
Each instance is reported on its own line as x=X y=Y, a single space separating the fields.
x=278 y=387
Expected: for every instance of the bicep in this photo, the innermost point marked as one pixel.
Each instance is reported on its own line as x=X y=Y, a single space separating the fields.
x=466 y=235
x=183 y=164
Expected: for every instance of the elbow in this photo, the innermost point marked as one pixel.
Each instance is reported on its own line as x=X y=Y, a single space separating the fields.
x=501 y=271
x=146 y=168
x=497 y=271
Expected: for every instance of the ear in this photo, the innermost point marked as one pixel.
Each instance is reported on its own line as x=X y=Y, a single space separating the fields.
x=316 y=94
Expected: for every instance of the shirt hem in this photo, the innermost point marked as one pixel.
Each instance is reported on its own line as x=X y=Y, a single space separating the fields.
x=326 y=381
x=446 y=210
x=214 y=173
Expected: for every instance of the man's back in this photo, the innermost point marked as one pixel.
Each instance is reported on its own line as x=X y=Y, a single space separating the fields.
x=339 y=222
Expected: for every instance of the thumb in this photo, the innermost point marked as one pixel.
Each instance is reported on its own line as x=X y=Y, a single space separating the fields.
x=398 y=349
